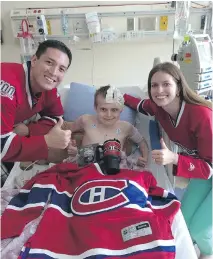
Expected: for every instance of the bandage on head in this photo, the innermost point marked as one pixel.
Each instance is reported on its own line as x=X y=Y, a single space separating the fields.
x=114 y=95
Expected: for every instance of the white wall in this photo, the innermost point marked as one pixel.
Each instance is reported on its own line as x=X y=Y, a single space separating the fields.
x=119 y=64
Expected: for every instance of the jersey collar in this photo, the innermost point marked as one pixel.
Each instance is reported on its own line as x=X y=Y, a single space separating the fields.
x=180 y=113
x=32 y=99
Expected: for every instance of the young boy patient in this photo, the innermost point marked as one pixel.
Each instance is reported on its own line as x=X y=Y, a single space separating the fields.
x=106 y=124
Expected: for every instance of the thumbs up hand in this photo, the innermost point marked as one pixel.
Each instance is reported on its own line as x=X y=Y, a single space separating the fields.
x=58 y=138
x=164 y=156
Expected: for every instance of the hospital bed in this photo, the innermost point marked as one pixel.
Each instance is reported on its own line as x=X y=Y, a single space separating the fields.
x=184 y=245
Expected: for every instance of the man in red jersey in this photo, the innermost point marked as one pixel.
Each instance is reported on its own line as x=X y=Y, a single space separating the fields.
x=28 y=90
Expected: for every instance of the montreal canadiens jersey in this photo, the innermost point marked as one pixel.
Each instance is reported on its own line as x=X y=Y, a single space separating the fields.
x=191 y=133
x=18 y=105
x=87 y=214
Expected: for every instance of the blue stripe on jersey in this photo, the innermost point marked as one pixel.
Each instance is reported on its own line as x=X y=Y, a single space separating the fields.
x=3 y=141
x=61 y=200
x=135 y=195
x=160 y=201
x=160 y=249
x=36 y=195
x=24 y=253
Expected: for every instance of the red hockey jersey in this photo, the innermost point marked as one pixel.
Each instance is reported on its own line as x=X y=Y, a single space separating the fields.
x=191 y=132
x=19 y=105
x=92 y=215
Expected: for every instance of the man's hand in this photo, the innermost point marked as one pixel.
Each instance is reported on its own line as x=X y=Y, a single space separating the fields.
x=21 y=129
x=58 y=138
x=164 y=156
x=72 y=149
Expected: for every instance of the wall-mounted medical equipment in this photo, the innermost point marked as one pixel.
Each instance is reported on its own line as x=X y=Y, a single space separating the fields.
x=148 y=22
x=195 y=57
x=41 y=26
x=94 y=26
x=182 y=12
x=26 y=40
x=64 y=22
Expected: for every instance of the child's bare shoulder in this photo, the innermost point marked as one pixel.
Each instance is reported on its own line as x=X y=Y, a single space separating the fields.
x=126 y=125
x=87 y=118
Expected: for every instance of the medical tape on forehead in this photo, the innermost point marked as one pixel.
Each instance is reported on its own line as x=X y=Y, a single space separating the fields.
x=114 y=95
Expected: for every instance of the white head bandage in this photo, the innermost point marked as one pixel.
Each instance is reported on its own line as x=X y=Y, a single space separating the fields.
x=114 y=95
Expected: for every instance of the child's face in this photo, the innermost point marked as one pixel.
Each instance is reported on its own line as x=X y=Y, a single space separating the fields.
x=107 y=113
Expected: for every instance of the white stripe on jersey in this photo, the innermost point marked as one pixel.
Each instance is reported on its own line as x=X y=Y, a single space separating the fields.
x=162 y=206
x=34 y=205
x=49 y=118
x=107 y=252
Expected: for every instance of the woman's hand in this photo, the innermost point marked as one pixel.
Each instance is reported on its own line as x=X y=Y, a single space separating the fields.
x=164 y=156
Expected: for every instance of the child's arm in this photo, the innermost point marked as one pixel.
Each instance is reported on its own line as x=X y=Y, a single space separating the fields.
x=137 y=138
x=144 y=151
x=76 y=126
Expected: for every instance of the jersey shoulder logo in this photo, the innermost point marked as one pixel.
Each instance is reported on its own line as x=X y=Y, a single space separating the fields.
x=7 y=90
x=191 y=167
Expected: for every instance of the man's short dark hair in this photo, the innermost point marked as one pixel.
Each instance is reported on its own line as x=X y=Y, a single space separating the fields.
x=42 y=48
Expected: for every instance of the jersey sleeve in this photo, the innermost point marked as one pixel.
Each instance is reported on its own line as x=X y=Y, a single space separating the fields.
x=200 y=166
x=14 y=147
x=145 y=106
x=25 y=207
x=162 y=202
x=49 y=115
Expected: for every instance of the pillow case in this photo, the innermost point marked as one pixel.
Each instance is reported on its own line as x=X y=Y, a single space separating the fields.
x=79 y=101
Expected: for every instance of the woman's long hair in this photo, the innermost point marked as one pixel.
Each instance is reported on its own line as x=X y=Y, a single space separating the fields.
x=186 y=93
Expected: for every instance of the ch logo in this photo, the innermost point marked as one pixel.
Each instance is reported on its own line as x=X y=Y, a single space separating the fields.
x=98 y=196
